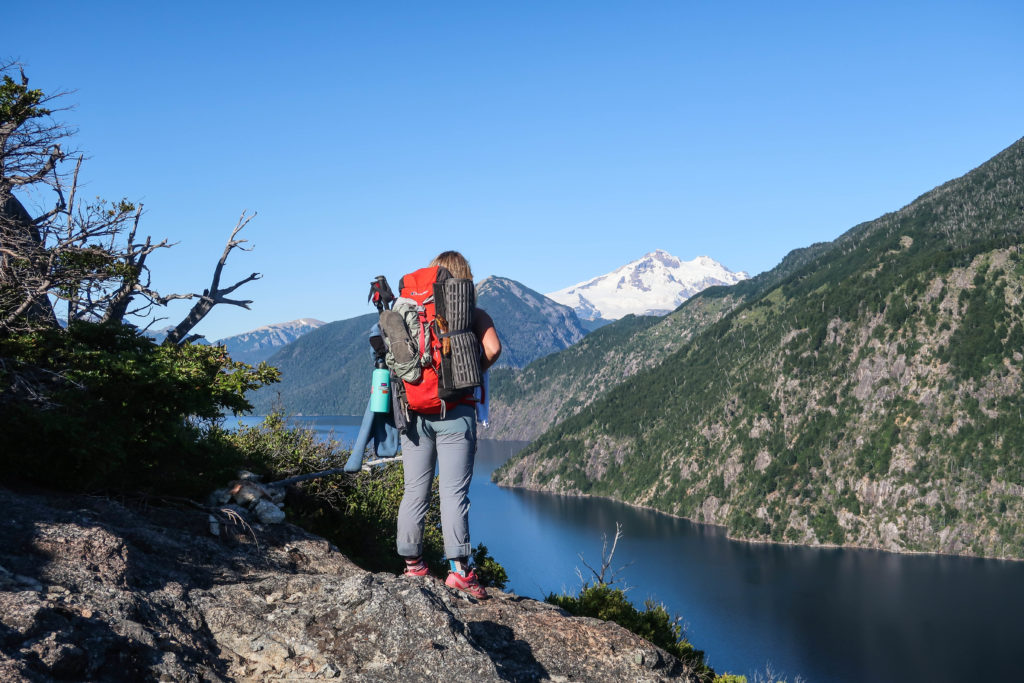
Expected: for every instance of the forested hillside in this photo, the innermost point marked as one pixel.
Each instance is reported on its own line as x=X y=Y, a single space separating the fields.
x=324 y=372
x=870 y=396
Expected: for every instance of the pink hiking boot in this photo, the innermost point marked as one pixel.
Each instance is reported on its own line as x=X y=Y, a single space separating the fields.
x=466 y=584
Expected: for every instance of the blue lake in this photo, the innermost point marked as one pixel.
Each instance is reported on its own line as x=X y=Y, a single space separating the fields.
x=824 y=614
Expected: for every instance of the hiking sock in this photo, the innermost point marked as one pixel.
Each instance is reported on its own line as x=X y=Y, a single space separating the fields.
x=459 y=566
x=415 y=566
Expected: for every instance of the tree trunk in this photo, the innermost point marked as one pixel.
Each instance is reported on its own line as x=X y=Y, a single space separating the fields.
x=20 y=239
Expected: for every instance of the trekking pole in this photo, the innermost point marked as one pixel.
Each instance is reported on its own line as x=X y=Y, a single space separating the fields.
x=381 y=294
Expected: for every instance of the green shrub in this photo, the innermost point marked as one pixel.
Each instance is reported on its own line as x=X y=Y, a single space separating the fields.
x=826 y=527
x=357 y=512
x=99 y=407
x=488 y=571
x=601 y=601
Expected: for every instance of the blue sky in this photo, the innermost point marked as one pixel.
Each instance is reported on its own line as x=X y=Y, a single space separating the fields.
x=549 y=142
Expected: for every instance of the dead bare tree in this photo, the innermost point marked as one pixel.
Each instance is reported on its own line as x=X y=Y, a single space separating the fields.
x=215 y=294
x=83 y=255
x=606 y=576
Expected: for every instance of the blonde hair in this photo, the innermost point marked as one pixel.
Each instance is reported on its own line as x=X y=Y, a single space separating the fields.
x=455 y=262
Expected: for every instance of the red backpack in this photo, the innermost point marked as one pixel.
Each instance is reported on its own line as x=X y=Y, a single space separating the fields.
x=442 y=329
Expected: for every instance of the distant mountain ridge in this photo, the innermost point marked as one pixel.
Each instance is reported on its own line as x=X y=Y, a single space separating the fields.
x=263 y=342
x=530 y=325
x=654 y=284
x=324 y=372
x=327 y=371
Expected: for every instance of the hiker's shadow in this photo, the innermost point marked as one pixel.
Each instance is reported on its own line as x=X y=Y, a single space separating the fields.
x=512 y=658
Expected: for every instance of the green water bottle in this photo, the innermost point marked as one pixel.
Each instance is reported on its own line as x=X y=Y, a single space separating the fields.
x=380 y=391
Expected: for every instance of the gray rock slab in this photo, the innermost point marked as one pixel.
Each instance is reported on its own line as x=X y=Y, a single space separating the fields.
x=95 y=590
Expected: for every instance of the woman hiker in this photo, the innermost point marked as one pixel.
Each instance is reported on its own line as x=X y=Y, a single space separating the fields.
x=447 y=439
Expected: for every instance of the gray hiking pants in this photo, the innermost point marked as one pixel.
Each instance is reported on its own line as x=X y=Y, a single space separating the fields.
x=451 y=445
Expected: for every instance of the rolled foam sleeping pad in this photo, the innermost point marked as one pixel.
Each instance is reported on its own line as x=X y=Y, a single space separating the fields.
x=455 y=299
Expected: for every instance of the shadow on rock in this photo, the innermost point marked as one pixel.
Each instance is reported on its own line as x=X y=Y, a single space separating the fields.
x=513 y=658
x=90 y=589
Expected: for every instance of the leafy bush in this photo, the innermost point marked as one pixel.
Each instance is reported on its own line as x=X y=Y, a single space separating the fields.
x=357 y=512
x=488 y=571
x=826 y=527
x=100 y=407
x=602 y=601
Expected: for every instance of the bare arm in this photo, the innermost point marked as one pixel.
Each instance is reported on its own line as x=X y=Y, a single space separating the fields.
x=483 y=326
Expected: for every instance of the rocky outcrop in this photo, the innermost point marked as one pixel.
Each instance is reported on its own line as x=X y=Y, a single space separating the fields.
x=94 y=589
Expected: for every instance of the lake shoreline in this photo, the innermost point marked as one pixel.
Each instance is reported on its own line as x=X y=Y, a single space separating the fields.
x=728 y=536
x=759 y=541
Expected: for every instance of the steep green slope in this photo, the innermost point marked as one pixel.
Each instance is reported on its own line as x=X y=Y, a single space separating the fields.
x=871 y=397
x=526 y=402
x=324 y=372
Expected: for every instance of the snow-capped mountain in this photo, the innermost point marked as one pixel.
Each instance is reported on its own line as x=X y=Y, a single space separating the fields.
x=261 y=343
x=653 y=285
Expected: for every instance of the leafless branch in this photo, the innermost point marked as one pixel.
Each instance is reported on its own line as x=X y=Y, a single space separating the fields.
x=48 y=165
x=215 y=294
x=33 y=385
x=606 y=575
x=87 y=255
x=307 y=477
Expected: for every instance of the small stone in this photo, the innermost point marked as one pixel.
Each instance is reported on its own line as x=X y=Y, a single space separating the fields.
x=639 y=658
x=247 y=492
x=268 y=513
x=277 y=493
x=220 y=497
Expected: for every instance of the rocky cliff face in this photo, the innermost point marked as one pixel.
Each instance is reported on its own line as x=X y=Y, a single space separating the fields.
x=91 y=589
